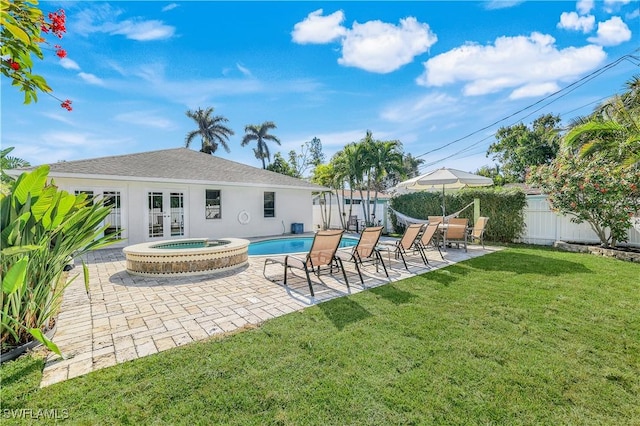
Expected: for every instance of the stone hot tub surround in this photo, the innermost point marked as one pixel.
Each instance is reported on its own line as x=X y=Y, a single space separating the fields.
x=191 y=256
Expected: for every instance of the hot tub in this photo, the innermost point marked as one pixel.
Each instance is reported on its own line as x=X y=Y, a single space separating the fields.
x=191 y=256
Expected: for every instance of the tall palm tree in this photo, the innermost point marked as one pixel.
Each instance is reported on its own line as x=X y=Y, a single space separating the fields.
x=7 y=162
x=386 y=158
x=349 y=165
x=211 y=130
x=613 y=129
x=260 y=134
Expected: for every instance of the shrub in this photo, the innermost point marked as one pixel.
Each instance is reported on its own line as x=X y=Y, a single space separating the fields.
x=504 y=207
x=593 y=190
x=42 y=228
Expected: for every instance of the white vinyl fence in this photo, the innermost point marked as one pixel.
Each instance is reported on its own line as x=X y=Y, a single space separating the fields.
x=543 y=227
x=380 y=215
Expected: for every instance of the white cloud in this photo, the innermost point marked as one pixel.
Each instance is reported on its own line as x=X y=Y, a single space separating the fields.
x=103 y=18
x=169 y=7
x=501 y=4
x=244 y=70
x=145 y=118
x=571 y=21
x=373 y=46
x=142 y=30
x=533 y=90
x=419 y=109
x=69 y=64
x=61 y=117
x=525 y=64
x=584 y=6
x=633 y=15
x=611 y=6
x=380 y=47
x=91 y=79
x=611 y=32
x=319 y=29
x=66 y=139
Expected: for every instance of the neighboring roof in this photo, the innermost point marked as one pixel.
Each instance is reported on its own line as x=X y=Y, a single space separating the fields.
x=176 y=165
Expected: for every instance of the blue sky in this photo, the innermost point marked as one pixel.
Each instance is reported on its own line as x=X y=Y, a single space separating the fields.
x=425 y=73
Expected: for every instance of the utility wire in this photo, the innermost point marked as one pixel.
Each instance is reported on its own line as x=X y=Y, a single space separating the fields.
x=568 y=89
x=577 y=83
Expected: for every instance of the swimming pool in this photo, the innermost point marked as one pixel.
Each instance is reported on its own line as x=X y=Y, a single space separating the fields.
x=289 y=245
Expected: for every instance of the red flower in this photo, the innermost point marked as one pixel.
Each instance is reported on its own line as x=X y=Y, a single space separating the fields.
x=14 y=65
x=58 y=23
x=61 y=53
x=66 y=105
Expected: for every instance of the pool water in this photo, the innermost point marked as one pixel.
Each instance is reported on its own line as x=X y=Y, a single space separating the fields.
x=290 y=245
x=190 y=244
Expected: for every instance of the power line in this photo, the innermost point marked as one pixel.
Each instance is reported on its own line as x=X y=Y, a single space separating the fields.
x=578 y=83
x=568 y=89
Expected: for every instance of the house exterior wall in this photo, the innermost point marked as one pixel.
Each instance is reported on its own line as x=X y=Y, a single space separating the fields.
x=291 y=206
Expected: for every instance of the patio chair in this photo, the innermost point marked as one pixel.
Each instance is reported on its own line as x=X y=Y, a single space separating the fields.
x=407 y=242
x=322 y=253
x=477 y=232
x=456 y=232
x=435 y=219
x=429 y=239
x=367 y=250
x=352 y=224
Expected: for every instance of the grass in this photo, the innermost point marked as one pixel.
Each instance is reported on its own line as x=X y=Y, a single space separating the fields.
x=521 y=336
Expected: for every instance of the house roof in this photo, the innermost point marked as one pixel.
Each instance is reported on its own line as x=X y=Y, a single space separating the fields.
x=176 y=165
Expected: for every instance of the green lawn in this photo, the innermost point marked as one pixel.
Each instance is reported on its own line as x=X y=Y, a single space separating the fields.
x=521 y=336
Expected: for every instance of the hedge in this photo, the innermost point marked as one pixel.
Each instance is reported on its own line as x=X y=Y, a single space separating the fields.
x=504 y=207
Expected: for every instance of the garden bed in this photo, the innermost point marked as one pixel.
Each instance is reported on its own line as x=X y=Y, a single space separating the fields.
x=628 y=253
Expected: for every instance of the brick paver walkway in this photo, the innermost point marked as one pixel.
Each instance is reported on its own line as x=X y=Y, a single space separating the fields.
x=127 y=317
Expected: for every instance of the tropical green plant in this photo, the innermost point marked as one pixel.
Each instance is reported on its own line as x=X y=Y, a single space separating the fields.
x=211 y=130
x=42 y=229
x=384 y=157
x=7 y=162
x=491 y=172
x=594 y=190
x=310 y=155
x=348 y=164
x=260 y=134
x=410 y=169
x=504 y=207
x=325 y=175
x=518 y=148
x=612 y=130
x=282 y=166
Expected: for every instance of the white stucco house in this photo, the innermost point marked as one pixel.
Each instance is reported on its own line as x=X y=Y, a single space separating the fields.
x=180 y=193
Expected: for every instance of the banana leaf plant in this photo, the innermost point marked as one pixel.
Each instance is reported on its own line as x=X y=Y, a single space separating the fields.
x=41 y=229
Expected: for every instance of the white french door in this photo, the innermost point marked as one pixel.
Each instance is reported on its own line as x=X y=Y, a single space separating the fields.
x=166 y=214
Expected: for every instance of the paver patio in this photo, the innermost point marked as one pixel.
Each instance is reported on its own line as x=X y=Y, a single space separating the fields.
x=125 y=317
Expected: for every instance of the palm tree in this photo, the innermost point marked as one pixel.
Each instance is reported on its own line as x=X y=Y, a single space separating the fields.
x=211 y=130
x=386 y=159
x=260 y=134
x=7 y=162
x=613 y=129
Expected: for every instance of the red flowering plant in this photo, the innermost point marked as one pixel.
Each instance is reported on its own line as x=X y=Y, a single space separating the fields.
x=593 y=190
x=23 y=29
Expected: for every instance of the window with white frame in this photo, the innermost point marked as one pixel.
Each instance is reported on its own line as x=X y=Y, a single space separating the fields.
x=269 y=204
x=213 y=204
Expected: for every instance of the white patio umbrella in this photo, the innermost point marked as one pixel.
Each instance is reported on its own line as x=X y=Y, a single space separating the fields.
x=443 y=178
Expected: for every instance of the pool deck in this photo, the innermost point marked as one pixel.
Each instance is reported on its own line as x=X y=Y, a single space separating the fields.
x=125 y=317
